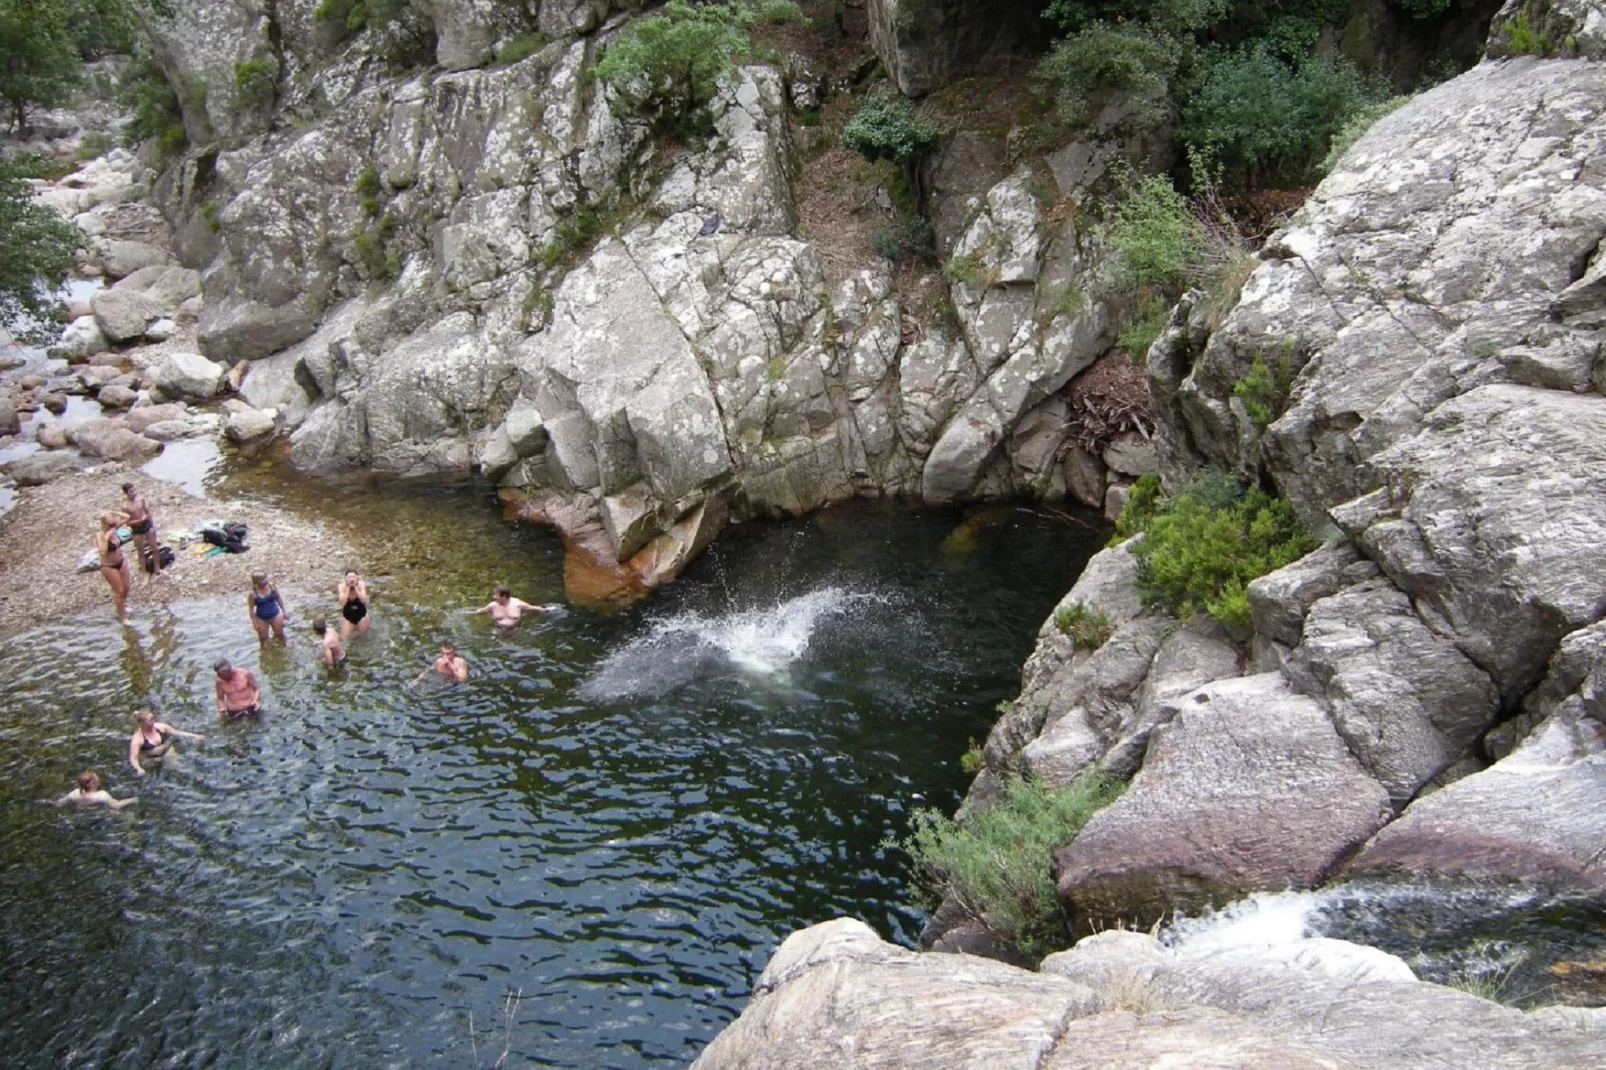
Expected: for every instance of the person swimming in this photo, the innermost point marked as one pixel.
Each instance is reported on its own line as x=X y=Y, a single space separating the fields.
x=450 y=665
x=237 y=692
x=330 y=647
x=353 y=595
x=114 y=563
x=152 y=739
x=505 y=610
x=265 y=606
x=89 y=793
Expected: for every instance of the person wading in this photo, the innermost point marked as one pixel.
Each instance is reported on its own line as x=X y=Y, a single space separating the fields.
x=237 y=692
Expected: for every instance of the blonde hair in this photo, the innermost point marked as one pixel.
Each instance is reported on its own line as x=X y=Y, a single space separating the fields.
x=111 y=519
x=88 y=781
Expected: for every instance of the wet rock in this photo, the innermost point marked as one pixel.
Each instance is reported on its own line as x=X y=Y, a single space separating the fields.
x=37 y=469
x=81 y=339
x=189 y=375
x=123 y=315
x=242 y=423
x=110 y=440
x=1249 y=788
x=116 y=396
x=53 y=403
x=170 y=430
x=1084 y=476
x=51 y=435
x=95 y=376
x=9 y=423
x=141 y=418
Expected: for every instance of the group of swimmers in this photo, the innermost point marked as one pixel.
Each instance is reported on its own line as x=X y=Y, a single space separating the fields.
x=235 y=690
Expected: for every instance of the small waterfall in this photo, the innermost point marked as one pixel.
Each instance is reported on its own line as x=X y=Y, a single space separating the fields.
x=759 y=641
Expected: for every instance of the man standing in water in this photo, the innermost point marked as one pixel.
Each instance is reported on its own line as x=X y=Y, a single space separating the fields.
x=450 y=665
x=505 y=610
x=143 y=526
x=237 y=692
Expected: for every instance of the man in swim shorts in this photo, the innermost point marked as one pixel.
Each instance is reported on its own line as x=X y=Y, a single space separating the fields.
x=143 y=526
x=505 y=610
x=332 y=649
x=237 y=692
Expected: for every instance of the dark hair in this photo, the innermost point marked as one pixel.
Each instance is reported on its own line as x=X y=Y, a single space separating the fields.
x=448 y=645
x=221 y=665
x=320 y=626
x=128 y=488
x=501 y=592
x=88 y=780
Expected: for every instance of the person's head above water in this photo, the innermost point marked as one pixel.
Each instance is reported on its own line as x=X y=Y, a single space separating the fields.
x=448 y=650
x=222 y=667
x=144 y=716
x=501 y=594
x=88 y=782
x=351 y=575
x=320 y=626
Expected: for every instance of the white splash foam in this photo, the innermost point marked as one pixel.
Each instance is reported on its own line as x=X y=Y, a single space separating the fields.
x=1262 y=919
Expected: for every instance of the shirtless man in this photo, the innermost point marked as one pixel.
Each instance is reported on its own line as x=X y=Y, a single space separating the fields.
x=143 y=526
x=89 y=793
x=450 y=665
x=237 y=692
x=332 y=649
x=505 y=610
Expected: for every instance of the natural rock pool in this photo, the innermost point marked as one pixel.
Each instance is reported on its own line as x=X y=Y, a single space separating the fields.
x=616 y=819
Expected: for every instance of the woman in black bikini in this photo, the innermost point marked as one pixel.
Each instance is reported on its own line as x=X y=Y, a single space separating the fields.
x=265 y=606
x=152 y=740
x=114 y=563
x=353 y=595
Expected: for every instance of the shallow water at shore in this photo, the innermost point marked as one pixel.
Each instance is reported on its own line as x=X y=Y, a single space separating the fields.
x=617 y=818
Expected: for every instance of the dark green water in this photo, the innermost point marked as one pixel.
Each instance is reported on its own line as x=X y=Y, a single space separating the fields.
x=617 y=818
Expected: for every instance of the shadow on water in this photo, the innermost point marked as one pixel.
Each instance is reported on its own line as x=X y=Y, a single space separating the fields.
x=619 y=816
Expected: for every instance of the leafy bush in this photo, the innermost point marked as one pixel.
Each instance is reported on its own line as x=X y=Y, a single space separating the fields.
x=971 y=762
x=39 y=250
x=369 y=189
x=255 y=84
x=1105 y=56
x=910 y=236
x=1521 y=39
x=673 y=61
x=156 y=113
x=997 y=865
x=1173 y=16
x=965 y=268
x=885 y=128
x=1142 y=505
x=1085 y=627
x=1143 y=325
x=1203 y=545
x=1154 y=231
x=1355 y=128
x=1265 y=118
x=1264 y=387
x=39 y=61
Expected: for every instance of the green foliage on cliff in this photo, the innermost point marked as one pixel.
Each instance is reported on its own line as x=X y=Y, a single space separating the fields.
x=39 y=60
x=39 y=249
x=256 y=84
x=1088 y=628
x=1264 y=387
x=1133 y=58
x=997 y=864
x=672 y=61
x=1202 y=545
x=885 y=128
x=156 y=113
x=1155 y=232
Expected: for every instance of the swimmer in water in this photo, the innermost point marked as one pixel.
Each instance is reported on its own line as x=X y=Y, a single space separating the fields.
x=152 y=740
x=505 y=610
x=353 y=595
x=330 y=647
x=89 y=793
x=450 y=665
x=237 y=692
x=265 y=606
x=114 y=563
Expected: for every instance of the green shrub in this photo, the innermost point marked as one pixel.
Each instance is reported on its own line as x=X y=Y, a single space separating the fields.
x=255 y=84
x=885 y=128
x=1070 y=301
x=1265 y=118
x=571 y=233
x=1264 y=387
x=1203 y=545
x=997 y=865
x=1143 y=325
x=92 y=145
x=1172 y=16
x=1521 y=39
x=910 y=236
x=1143 y=503
x=213 y=216
x=1103 y=56
x=156 y=113
x=1087 y=628
x=965 y=268
x=673 y=60
x=369 y=189
x=1154 y=231
x=520 y=47
x=971 y=762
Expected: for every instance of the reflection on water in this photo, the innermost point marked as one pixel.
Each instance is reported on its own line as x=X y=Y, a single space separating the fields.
x=618 y=816
x=193 y=464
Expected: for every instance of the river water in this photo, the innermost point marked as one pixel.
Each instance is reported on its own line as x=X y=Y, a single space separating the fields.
x=583 y=856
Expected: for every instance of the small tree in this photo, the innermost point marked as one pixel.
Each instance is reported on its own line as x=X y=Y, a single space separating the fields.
x=39 y=249
x=885 y=128
x=39 y=61
x=673 y=61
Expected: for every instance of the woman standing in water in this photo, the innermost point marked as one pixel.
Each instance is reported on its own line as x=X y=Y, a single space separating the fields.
x=265 y=606
x=353 y=594
x=152 y=739
x=114 y=563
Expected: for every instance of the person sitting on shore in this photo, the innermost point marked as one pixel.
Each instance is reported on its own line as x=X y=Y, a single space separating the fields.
x=143 y=526
x=330 y=647
x=114 y=563
x=265 y=606
x=89 y=793
x=449 y=665
x=237 y=692
x=505 y=610
x=353 y=595
x=152 y=739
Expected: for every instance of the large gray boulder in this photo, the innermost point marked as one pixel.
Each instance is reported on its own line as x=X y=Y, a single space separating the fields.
x=123 y=315
x=1249 y=788
x=9 y=422
x=37 y=469
x=189 y=375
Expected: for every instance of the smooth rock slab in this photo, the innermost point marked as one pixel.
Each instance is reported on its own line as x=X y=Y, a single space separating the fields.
x=189 y=375
x=1248 y=789
x=37 y=469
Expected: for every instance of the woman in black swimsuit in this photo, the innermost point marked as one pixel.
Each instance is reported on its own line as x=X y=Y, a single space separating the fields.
x=152 y=740
x=353 y=594
x=113 y=563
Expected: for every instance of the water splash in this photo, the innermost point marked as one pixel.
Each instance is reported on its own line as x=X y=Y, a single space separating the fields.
x=763 y=642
